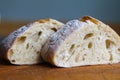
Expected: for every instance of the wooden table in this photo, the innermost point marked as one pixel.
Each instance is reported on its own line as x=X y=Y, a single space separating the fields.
x=47 y=72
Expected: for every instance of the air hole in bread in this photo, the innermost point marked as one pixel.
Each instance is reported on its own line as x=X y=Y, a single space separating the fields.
x=83 y=49
x=88 y=35
x=77 y=58
x=98 y=58
x=98 y=38
x=54 y=29
x=78 y=46
x=108 y=36
x=83 y=58
x=39 y=33
x=90 y=45
x=73 y=52
x=72 y=47
x=111 y=57
x=38 y=52
x=54 y=23
x=27 y=46
x=22 y=39
x=108 y=43
x=11 y=52
x=118 y=49
x=13 y=61
x=100 y=33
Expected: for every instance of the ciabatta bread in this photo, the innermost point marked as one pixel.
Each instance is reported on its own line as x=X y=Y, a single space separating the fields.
x=80 y=43
x=23 y=46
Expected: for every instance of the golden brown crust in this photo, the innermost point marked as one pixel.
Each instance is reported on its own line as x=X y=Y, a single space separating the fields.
x=85 y=18
x=44 y=20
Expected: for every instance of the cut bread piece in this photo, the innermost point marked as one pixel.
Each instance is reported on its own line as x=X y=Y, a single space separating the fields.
x=80 y=43
x=23 y=46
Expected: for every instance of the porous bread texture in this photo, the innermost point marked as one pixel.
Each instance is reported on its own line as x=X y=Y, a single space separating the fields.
x=24 y=45
x=84 y=42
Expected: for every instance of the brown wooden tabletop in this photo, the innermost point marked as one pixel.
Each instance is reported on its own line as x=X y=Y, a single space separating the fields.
x=47 y=72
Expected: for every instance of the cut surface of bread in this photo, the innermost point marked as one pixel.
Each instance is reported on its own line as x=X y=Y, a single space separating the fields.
x=82 y=42
x=24 y=45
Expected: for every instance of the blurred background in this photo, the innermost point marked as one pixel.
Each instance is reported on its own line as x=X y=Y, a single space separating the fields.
x=15 y=13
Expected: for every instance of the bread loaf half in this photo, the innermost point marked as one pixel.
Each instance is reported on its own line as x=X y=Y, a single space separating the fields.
x=82 y=42
x=23 y=46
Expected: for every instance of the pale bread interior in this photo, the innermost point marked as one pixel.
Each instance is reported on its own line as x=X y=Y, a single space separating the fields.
x=90 y=44
x=27 y=47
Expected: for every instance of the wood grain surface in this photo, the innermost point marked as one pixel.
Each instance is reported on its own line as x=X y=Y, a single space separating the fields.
x=48 y=72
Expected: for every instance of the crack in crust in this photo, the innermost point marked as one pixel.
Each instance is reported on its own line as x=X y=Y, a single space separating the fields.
x=85 y=18
x=44 y=20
